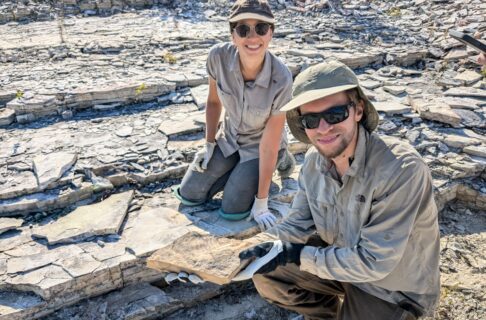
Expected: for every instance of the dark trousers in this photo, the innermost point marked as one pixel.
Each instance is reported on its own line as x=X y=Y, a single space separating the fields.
x=238 y=180
x=316 y=298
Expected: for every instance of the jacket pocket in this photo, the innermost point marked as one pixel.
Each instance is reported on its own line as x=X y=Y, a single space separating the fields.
x=325 y=219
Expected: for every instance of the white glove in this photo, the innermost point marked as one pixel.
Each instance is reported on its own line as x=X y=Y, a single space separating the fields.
x=262 y=215
x=203 y=156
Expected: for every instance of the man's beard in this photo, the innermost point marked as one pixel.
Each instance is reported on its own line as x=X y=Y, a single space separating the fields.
x=343 y=144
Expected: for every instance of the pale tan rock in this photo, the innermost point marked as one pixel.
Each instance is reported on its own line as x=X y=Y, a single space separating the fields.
x=185 y=145
x=457 y=141
x=7 y=116
x=42 y=201
x=27 y=249
x=468 y=92
x=108 y=251
x=435 y=111
x=464 y=167
x=395 y=90
x=9 y=224
x=456 y=54
x=468 y=77
x=100 y=218
x=460 y=103
x=79 y=264
x=7 y=242
x=305 y=53
x=392 y=107
x=39 y=105
x=211 y=258
x=171 y=127
x=45 y=281
x=153 y=229
x=21 y=183
x=6 y=96
x=370 y=84
x=357 y=60
x=3 y=264
x=30 y=262
x=200 y=95
x=49 y=168
x=479 y=151
x=410 y=57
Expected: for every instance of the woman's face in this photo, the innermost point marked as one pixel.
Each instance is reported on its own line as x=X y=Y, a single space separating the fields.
x=253 y=46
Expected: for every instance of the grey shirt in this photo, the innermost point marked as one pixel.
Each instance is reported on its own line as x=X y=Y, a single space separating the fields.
x=248 y=105
x=380 y=222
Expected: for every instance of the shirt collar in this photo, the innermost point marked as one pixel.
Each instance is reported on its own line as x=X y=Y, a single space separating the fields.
x=263 y=78
x=359 y=154
x=234 y=64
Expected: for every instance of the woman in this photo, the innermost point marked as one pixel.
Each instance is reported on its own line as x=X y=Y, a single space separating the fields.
x=252 y=85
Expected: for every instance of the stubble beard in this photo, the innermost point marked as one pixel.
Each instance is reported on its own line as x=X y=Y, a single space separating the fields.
x=345 y=140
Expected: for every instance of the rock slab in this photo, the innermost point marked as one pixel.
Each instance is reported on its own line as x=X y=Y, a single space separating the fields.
x=9 y=224
x=51 y=167
x=212 y=258
x=101 y=218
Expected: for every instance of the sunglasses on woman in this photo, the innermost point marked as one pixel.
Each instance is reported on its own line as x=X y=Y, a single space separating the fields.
x=261 y=29
x=333 y=115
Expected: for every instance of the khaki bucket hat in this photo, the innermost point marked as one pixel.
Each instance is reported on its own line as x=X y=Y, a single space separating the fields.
x=251 y=9
x=319 y=81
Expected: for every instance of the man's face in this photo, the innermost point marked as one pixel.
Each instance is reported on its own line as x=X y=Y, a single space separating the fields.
x=253 y=46
x=332 y=139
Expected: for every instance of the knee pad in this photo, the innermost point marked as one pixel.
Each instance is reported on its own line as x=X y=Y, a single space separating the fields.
x=176 y=191
x=233 y=216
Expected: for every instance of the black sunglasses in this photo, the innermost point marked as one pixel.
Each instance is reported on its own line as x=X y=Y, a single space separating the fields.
x=332 y=116
x=261 y=29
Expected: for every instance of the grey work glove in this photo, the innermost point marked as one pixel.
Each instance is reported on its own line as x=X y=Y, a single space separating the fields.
x=290 y=254
x=261 y=214
x=203 y=156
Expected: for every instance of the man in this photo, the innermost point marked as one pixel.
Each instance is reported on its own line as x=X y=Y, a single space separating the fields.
x=369 y=202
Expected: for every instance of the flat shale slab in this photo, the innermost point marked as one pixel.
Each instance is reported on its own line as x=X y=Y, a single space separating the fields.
x=214 y=259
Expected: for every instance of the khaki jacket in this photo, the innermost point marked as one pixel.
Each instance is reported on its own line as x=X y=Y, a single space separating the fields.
x=380 y=222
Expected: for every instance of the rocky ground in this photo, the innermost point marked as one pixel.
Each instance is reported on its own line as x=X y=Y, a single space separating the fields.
x=101 y=112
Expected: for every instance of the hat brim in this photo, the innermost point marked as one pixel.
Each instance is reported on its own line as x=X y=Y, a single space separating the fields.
x=250 y=15
x=312 y=95
x=370 y=121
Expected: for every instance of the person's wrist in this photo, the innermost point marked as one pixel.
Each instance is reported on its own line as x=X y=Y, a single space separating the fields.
x=295 y=251
x=260 y=204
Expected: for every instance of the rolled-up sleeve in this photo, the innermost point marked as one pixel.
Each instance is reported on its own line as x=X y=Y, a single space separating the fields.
x=298 y=225
x=211 y=62
x=384 y=237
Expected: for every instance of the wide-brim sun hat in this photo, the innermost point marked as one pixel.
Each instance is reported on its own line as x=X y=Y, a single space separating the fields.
x=251 y=9
x=319 y=81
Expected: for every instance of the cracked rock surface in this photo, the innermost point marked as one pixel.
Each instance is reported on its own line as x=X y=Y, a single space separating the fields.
x=101 y=114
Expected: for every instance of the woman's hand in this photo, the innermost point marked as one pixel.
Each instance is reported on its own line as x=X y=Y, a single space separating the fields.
x=261 y=214
x=202 y=157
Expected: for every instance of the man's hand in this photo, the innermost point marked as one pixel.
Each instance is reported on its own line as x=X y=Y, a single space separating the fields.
x=290 y=254
x=203 y=156
x=482 y=59
x=262 y=215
